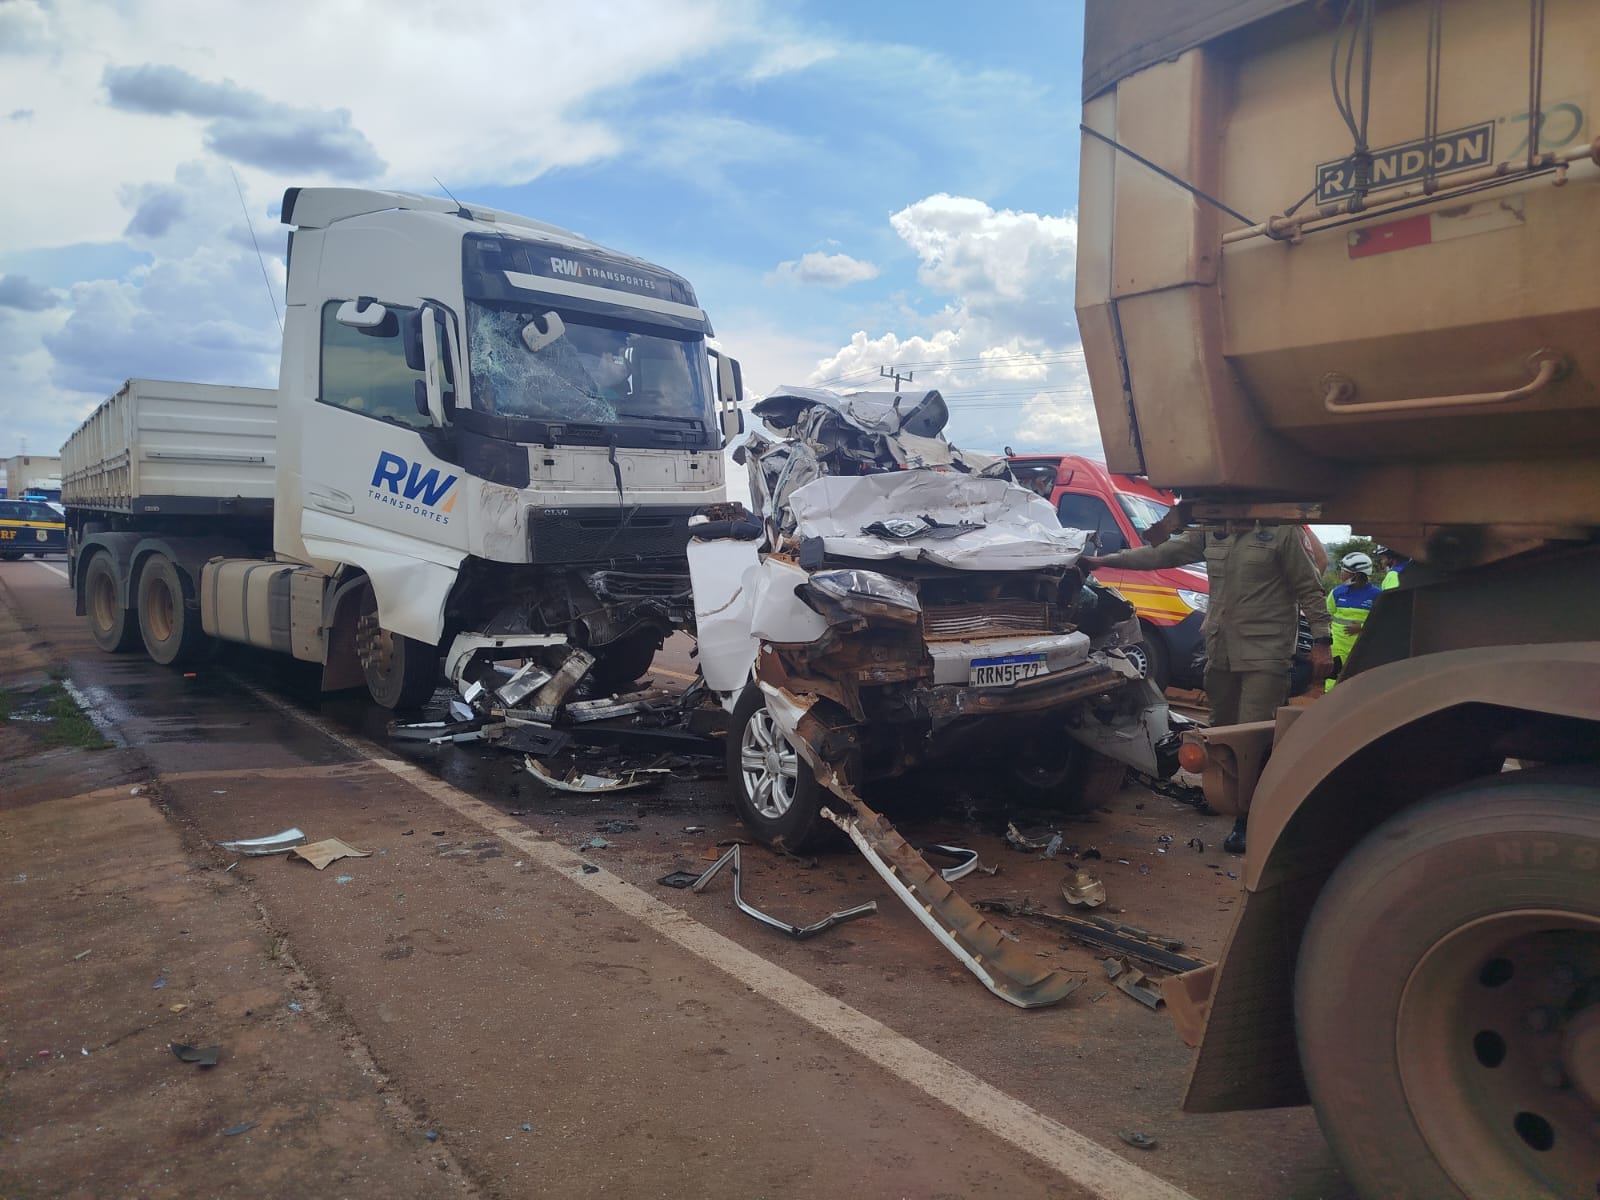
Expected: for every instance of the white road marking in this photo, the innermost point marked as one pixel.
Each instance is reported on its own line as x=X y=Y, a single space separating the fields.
x=57 y=570
x=1081 y=1159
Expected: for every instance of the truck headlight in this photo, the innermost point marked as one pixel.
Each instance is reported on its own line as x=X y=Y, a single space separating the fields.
x=868 y=594
x=1195 y=600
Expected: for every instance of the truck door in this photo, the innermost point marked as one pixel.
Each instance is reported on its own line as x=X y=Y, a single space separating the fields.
x=366 y=461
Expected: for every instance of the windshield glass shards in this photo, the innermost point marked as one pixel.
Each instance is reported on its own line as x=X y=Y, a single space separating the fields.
x=557 y=366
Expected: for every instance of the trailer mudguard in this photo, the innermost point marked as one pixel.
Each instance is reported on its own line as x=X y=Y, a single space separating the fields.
x=1381 y=740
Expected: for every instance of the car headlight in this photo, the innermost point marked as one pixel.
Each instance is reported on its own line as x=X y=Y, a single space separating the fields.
x=1195 y=600
x=866 y=594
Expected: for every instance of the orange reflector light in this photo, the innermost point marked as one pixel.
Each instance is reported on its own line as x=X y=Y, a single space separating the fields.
x=1192 y=756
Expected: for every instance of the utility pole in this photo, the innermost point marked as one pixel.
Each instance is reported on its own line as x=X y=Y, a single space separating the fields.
x=894 y=374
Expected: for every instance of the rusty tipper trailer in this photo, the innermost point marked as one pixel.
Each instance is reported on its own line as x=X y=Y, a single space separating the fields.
x=1339 y=261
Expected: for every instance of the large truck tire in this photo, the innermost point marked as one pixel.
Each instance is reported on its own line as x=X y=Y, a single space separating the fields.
x=114 y=628
x=774 y=790
x=400 y=672
x=1447 y=999
x=170 y=628
x=623 y=661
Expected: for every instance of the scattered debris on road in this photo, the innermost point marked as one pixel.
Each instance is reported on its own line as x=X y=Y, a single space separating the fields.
x=320 y=854
x=1102 y=934
x=201 y=1056
x=798 y=932
x=597 y=782
x=1140 y=1141
x=1133 y=982
x=1083 y=890
x=275 y=843
x=1010 y=973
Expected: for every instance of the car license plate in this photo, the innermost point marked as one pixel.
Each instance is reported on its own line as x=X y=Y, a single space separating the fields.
x=1007 y=670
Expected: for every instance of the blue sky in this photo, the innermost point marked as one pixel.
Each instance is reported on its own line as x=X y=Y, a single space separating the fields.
x=847 y=186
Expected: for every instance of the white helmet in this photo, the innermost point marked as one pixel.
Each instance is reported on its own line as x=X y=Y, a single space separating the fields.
x=1356 y=562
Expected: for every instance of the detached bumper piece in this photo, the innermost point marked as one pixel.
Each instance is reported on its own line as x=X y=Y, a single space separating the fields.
x=1005 y=969
x=798 y=932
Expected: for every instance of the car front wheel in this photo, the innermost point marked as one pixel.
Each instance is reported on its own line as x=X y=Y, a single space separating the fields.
x=776 y=793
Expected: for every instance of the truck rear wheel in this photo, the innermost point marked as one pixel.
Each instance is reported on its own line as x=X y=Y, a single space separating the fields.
x=1447 y=999
x=401 y=672
x=170 y=628
x=112 y=626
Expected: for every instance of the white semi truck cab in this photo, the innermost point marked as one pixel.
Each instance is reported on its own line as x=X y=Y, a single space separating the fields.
x=489 y=436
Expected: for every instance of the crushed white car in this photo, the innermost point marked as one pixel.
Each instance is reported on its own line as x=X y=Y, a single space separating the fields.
x=893 y=600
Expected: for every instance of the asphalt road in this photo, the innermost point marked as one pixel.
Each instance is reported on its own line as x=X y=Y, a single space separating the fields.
x=571 y=1026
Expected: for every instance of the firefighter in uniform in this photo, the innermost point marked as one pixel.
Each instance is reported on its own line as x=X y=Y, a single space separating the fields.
x=1349 y=605
x=1261 y=580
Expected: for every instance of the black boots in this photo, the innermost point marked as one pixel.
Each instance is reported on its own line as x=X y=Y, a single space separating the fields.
x=1234 y=842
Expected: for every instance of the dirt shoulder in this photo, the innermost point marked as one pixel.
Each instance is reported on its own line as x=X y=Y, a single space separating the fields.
x=120 y=941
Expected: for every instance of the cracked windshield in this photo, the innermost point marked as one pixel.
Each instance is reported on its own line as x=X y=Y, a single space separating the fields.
x=550 y=366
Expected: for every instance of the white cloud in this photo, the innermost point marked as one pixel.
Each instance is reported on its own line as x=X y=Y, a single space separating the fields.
x=817 y=269
x=1003 y=347
x=788 y=55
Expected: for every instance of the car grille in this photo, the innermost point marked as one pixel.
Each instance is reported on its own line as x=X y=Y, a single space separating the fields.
x=987 y=618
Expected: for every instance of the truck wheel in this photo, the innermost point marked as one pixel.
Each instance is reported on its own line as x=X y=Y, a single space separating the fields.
x=774 y=791
x=1447 y=998
x=171 y=630
x=109 y=622
x=623 y=661
x=400 y=671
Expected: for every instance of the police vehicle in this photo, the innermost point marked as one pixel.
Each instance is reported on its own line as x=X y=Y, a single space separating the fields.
x=31 y=527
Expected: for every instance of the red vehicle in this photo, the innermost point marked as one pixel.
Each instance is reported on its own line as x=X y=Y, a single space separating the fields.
x=1171 y=603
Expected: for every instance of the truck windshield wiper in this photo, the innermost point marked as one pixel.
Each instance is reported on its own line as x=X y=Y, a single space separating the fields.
x=695 y=421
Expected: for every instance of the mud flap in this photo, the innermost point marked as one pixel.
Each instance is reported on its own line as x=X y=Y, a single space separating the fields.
x=1005 y=968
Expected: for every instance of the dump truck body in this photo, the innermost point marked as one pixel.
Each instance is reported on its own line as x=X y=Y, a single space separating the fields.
x=1337 y=263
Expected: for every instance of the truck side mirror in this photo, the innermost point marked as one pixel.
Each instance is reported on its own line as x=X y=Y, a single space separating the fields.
x=730 y=395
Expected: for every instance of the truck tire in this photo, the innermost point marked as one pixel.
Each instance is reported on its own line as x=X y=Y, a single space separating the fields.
x=170 y=628
x=774 y=791
x=623 y=661
x=400 y=672
x=115 y=629
x=1447 y=998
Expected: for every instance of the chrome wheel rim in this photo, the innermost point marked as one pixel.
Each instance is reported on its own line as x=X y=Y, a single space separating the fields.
x=1498 y=1045
x=768 y=765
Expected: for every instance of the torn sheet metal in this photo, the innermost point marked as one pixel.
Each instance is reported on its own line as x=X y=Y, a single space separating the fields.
x=595 y=784
x=526 y=680
x=798 y=932
x=1019 y=530
x=1083 y=890
x=574 y=668
x=1013 y=974
x=275 y=843
x=468 y=646
x=439 y=733
x=320 y=854
x=966 y=861
x=605 y=708
x=1133 y=982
